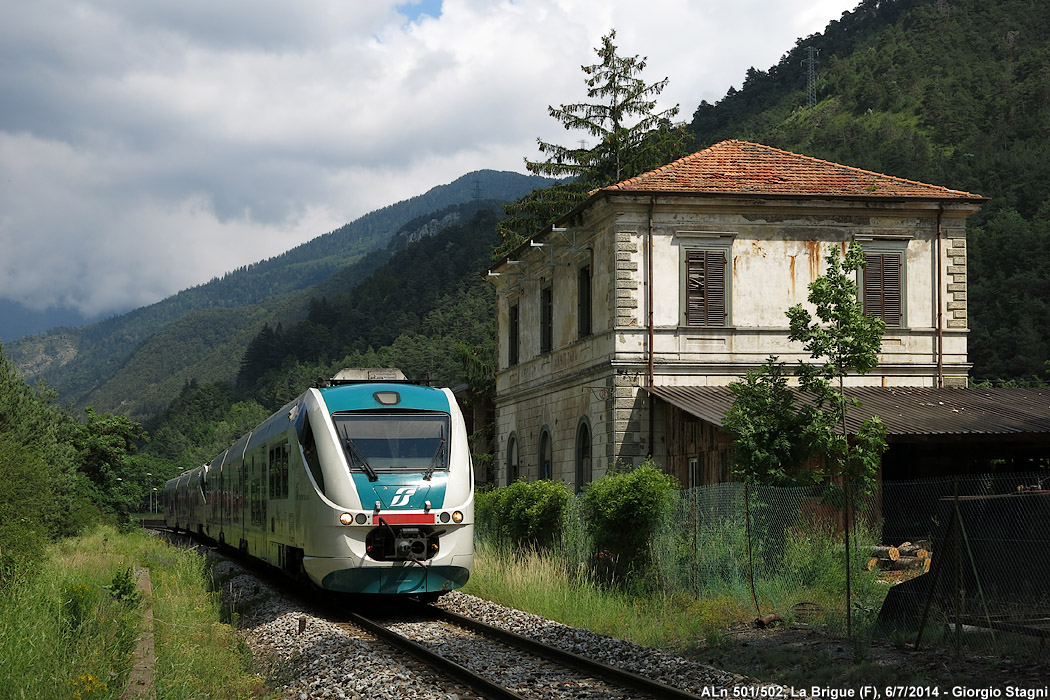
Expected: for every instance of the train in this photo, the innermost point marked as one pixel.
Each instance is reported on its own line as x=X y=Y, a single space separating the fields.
x=360 y=485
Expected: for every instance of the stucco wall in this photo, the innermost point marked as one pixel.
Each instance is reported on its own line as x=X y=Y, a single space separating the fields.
x=776 y=248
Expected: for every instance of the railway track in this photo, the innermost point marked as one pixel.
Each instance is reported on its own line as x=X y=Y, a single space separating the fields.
x=503 y=665
x=319 y=649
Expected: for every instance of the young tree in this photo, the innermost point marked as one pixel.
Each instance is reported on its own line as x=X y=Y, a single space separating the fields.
x=631 y=138
x=769 y=433
x=773 y=438
x=843 y=339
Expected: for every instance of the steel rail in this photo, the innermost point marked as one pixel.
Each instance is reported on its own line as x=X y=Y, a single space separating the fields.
x=598 y=669
x=436 y=661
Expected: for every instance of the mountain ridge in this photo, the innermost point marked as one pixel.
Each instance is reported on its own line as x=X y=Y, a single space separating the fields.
x=79 y=361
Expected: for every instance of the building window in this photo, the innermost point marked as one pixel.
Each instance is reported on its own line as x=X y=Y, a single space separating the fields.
x=583 y=455
x=706 y=288
x=583 y=300
x=546 y=455
x=513 y=336
x=882 y=286
x=513 y=470
x=546 y=319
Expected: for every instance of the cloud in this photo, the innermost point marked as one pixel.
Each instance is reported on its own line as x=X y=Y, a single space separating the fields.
x=146 y=147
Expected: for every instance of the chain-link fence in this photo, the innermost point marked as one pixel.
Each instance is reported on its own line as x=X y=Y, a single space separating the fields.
x=957 y=562
x=988 y=588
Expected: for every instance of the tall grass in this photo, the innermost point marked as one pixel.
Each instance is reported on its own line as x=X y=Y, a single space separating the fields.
x=537 y=582
x=713 y=563
x=69 y=630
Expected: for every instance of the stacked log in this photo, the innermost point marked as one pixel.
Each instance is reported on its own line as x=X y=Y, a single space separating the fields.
x=906 y=556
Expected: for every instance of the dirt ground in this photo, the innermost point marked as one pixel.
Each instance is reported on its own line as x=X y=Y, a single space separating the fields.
x=803 y=656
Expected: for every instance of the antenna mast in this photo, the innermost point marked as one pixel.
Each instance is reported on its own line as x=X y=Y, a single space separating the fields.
x=811 y=76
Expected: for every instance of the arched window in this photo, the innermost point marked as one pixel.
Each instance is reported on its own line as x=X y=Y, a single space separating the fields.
x=546 y=455
x=513 y=471
x=583 y=454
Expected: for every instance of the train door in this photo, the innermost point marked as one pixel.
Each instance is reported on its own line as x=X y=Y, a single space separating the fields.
x=242 y=503
x=257 y=503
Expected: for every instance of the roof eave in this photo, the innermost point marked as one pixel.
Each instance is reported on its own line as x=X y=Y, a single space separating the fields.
x=614 y=191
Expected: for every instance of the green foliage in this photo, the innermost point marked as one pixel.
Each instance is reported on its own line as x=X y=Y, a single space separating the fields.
x=124 y=588
x=523 y=514
x=35 y=469
x=416 y=321
x=769 y=445
x=843 y=340
x=24 y=507
x=201 y=422
x=620 y=118
x=630 y=138
x=61 y=476
x=623 y=513
x=70 y=629
x=103 y=445
x=1009 y=297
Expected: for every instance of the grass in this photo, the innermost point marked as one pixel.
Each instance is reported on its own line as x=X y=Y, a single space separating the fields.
x=706 y=627
x=541 y=585
x=69 y=631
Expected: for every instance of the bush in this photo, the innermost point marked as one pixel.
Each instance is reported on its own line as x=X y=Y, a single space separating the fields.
x=524 y=514
x=23 y=508
x=624 y=513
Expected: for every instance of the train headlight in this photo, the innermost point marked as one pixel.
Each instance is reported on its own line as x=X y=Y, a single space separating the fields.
x=346 y=519
x=457 y=517
x=443 y=517
x=360 y=519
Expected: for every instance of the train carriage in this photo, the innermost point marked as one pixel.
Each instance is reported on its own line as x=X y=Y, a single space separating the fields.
x=357 y=486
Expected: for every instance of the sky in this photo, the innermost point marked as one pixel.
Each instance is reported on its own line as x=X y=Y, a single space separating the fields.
x=147 y=147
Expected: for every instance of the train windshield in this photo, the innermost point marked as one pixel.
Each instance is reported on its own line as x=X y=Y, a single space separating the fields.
x=394 y=442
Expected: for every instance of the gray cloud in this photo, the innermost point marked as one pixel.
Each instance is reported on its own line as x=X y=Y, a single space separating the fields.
x=146 y=146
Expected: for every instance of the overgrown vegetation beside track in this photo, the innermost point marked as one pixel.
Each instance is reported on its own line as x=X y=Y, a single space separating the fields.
x=69 y=631
x=636 y=558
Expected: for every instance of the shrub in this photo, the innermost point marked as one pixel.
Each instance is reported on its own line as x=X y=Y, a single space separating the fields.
x=526 y=513
x=23 y=508
x=624 y=512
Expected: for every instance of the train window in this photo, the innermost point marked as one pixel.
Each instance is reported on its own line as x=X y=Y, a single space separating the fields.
x=278 y=463
x=395 y=442
x=310 y=452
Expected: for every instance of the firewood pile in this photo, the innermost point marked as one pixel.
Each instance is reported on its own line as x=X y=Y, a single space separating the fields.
x=909 y=556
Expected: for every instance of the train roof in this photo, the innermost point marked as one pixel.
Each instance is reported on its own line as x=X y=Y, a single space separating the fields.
x=384 y=395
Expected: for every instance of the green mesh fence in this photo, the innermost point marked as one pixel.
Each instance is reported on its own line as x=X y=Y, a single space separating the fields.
x=973 y=572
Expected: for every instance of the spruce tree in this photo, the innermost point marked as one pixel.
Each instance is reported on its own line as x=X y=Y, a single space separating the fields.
x=630 y=138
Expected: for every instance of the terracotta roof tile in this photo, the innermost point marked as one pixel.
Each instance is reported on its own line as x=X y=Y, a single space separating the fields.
x=741 y=167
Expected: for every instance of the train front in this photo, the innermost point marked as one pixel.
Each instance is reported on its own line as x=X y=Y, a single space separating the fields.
x=394 y=509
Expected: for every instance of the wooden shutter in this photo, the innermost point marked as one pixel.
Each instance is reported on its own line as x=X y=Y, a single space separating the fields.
x=546 y=320
x=882 y=287
x=705 y=287
x=583 y=301
x=512 y=336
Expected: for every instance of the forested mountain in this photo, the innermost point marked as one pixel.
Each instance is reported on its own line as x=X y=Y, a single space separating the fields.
x=207 y=346
x=424 y=308
x=950 y=92
x=136 y=362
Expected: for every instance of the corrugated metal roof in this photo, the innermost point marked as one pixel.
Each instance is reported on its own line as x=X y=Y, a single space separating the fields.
x=906 y=411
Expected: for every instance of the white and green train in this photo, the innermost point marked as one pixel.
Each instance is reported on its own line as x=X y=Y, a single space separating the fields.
x=356 y=486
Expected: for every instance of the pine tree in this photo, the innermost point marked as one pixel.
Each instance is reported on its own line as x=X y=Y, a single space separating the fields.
x=627 y=130
x=631 y=138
